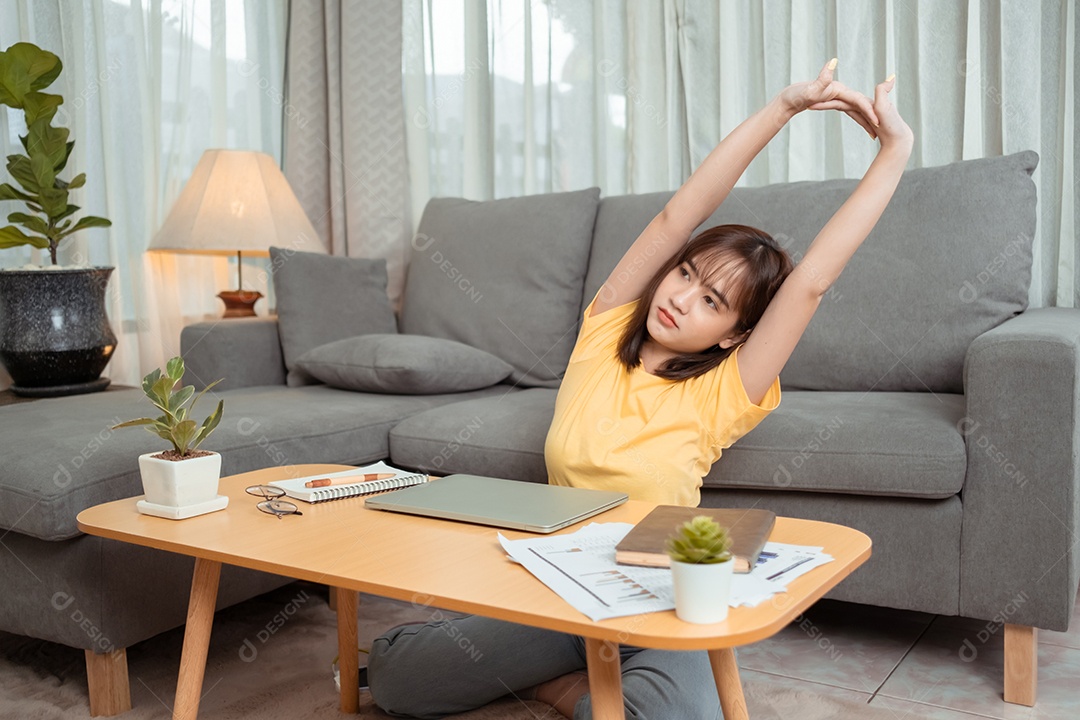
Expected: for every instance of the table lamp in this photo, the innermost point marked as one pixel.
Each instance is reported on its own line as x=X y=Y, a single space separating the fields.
x=236 y=201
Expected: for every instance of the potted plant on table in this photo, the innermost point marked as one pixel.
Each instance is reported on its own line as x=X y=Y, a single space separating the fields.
x=55 y=337
x=701 y=569
x=181 y=482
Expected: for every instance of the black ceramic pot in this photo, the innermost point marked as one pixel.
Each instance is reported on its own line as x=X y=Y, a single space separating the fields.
x=55 y=337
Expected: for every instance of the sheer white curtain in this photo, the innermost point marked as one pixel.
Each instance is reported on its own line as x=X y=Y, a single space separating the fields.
x=148 y=86
x=508 y=97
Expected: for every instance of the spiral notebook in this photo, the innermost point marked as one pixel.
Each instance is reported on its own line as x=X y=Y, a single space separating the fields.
x=294 y=487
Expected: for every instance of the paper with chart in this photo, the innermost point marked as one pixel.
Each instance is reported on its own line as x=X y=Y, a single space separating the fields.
x=581 y=569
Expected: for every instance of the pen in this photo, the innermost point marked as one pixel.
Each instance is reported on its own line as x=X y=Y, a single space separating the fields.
x=345 y=479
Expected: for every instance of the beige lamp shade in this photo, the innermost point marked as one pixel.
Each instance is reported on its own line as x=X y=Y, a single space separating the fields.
x=236 y=201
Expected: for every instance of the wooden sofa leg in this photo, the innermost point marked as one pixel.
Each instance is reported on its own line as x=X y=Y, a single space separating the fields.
x=107 y=676
x=1021 y=664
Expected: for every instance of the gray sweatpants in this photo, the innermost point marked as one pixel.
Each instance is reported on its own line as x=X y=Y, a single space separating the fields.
x=451 y=666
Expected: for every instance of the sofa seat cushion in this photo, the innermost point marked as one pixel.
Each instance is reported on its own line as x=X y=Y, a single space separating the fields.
x=499 y=436
x=60 y=456
x=887 y=443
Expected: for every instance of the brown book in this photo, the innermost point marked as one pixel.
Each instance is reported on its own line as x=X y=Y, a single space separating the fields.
x=644 y=545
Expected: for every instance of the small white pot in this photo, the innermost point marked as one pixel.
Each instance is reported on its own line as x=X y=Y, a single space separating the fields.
x=702 y=591
x=180 y=484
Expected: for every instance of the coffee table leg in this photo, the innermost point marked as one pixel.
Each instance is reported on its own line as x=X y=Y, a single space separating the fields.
x=605 y=679
x=347 y=639
x=728 y=685
x=200 y=618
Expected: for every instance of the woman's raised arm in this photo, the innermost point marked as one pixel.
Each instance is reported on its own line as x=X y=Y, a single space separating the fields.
x=709 y=185
x=771 y=342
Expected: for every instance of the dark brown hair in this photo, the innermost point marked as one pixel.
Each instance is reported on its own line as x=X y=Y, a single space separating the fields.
x=763 y=266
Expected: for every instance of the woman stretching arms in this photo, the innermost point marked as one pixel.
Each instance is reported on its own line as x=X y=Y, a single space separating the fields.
x=678 y=356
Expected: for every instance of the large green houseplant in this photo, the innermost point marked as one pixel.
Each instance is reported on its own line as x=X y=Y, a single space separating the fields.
x=55 y=337
x=26 y=70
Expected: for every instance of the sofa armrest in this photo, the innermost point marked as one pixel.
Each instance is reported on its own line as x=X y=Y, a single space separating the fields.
x=1019 y=561
x=243 y=351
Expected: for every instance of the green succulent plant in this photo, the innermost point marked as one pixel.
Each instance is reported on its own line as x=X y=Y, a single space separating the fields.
x=166 y=393
x=26 y=70
x=701 y=541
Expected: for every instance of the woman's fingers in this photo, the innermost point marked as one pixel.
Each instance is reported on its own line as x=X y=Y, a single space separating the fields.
x=882 y=90
x=861 y=119
x=826 y=75
x=856 y=98
x=856 y=112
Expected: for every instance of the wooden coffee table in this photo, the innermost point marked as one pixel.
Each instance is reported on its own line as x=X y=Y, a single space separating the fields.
x=449 y=565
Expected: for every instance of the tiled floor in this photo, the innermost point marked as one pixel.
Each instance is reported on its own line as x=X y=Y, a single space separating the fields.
x=911 y=664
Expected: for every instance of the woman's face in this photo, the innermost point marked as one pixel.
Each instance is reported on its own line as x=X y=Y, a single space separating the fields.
x=689 y=315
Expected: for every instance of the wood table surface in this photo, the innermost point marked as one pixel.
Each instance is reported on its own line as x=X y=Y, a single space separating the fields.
x=445 y=564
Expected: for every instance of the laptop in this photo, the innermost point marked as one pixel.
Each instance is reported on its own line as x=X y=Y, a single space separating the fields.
x=534 y=507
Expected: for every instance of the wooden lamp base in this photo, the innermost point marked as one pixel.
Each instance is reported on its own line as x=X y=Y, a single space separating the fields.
x=239 y=303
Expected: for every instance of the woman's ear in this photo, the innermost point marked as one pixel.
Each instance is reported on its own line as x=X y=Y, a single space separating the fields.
x=734 y=340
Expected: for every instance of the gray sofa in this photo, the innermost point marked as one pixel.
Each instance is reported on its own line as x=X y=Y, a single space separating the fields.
x=926 y=406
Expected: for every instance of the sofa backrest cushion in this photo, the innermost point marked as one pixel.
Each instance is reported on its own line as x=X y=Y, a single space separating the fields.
x=322 y=298
x=504 y=276
x=949 y=259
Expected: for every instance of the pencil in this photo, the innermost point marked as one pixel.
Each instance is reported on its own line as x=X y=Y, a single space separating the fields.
x=347 y=479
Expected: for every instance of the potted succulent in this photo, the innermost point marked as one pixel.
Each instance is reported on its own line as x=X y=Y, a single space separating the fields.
x=55 y=337
x=183 y=481
x=701 y=569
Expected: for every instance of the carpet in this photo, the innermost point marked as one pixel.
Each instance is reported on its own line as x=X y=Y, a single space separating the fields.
x=270 y=658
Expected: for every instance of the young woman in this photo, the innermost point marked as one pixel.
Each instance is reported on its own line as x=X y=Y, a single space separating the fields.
x=678 y=356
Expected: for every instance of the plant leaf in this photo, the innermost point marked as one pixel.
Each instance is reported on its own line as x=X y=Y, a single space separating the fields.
x=30 y=222
x=43 y=171
x=40 y=66
x=163 y=393
x=48 y=141
x=149 y=381
x=175 y=367
x=7 y=192
x=40 y=106
x=181 y=397
x=87 y=222
x=68 y=211
x=133 y=423
x=11 y=236
x=183 y=433
x=53 y=201
x=20 y=168
x=77 y=182
x=67 y=154
x=199 y=396
x=209 y=424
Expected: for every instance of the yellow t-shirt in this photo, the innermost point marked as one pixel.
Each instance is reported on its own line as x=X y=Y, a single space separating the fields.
x=637 y=433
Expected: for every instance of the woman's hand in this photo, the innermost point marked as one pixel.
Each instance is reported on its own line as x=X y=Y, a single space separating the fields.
x=892 y=131
x=824 y=93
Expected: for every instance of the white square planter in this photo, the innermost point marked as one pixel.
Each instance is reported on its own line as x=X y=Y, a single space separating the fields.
x=180 y=489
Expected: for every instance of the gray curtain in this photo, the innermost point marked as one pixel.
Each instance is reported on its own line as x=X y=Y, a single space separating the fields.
x=344 y=127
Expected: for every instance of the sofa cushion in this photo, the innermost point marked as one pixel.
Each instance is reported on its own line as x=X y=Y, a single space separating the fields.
x=406 y=364
x=901 y=444
x=322 y=298
x=505 y=276
x=949 y=259
x=46 y=479
x=501 y=436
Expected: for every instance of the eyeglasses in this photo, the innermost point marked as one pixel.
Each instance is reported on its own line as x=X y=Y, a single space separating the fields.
x=271 y=501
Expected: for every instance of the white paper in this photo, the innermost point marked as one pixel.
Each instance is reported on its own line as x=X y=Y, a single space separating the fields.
x=581 y=569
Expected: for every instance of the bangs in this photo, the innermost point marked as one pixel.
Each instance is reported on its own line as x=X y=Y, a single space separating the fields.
x=724 y=269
